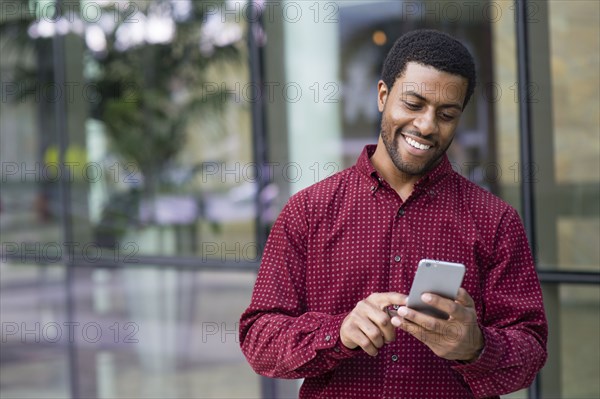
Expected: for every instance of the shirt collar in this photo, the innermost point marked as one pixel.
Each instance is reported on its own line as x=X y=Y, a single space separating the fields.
x=364 y=165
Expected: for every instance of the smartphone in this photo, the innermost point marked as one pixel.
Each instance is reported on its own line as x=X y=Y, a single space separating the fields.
x=436 y=277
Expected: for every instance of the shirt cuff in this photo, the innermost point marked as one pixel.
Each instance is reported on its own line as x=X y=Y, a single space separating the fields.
x=329 y=340
x=488 y=359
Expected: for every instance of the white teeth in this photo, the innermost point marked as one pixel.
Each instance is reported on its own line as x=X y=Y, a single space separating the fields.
x=417 y=145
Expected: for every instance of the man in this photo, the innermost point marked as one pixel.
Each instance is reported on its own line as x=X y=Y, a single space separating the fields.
x=343 y=254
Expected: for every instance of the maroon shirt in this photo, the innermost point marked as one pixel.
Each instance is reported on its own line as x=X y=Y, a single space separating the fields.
x=351 y=235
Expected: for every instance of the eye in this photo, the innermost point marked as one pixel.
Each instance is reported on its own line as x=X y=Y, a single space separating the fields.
x=412 y=106
x=447 y=117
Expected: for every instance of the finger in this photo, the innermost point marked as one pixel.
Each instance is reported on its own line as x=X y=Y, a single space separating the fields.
x=382 y=320
x=429 y=323
x=413 y=329
x=373 y=333
x=384 y=299
x=381 y=315
x=369 y=348
x=392 y=312
x=388 y=331
x=375 y=319
x=369 y=340
x=464 y=298
x=360 y=339
x=446 y=305
x=367 y=322
x=355 y=332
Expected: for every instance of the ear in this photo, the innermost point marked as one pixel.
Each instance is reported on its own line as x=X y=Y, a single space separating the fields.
x=382 y=93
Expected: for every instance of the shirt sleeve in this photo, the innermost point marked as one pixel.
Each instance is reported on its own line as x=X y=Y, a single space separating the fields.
x=278 y=336
x=513 y=321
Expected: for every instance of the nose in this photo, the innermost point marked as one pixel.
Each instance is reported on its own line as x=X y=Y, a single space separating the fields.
x=426 y=123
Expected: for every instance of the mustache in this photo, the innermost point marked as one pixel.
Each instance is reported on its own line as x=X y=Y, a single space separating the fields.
x=414 y=133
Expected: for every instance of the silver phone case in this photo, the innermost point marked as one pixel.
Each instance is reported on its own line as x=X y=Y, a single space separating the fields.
x=437 y=277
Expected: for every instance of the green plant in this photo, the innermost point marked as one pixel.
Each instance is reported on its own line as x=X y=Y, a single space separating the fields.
x=149 y=91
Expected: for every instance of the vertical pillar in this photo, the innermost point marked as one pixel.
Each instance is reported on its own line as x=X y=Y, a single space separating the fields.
x=537 y=165
x=311 y=94
x=303 y=107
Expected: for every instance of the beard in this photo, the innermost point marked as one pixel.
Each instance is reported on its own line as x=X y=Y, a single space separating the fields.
x=390 y=140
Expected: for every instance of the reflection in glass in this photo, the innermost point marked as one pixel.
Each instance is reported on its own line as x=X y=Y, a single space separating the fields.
x=133 y=341
x=155 y=99
x=34 y=360
x=163 y=90
x=29 y=207
x=575 y=78
x=367 y=33
x=579 y=344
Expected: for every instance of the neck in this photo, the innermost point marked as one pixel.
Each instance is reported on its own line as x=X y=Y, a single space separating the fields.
x=401 y=182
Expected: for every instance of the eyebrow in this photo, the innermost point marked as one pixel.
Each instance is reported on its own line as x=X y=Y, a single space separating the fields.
x=420 y=97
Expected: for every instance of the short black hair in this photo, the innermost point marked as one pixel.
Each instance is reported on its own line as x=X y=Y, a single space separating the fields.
x=433 y=48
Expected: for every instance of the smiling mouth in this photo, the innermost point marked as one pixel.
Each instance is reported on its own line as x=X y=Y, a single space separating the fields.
x=415 y=144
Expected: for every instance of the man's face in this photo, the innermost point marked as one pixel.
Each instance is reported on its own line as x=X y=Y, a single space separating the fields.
x=420 y=116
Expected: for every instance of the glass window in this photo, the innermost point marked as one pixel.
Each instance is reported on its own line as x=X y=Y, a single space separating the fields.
x=579 y=345
x=487 y=147
x=34 y=331
x=367 y=32
x=354 y=37
x=159 y=163
x=159 y=156
x=169 y=129
x=573 y=185
x=30 y=172
x=501 y=93
x=165 y=333
x=564 y=65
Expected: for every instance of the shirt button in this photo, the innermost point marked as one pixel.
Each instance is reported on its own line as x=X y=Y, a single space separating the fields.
x=394 y=358
x=397 y=258
x=328 y=338
x=401 y=212
x=336 y=349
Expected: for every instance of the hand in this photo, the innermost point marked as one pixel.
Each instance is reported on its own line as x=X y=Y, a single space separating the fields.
x=369 y=325
x=458 y=338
